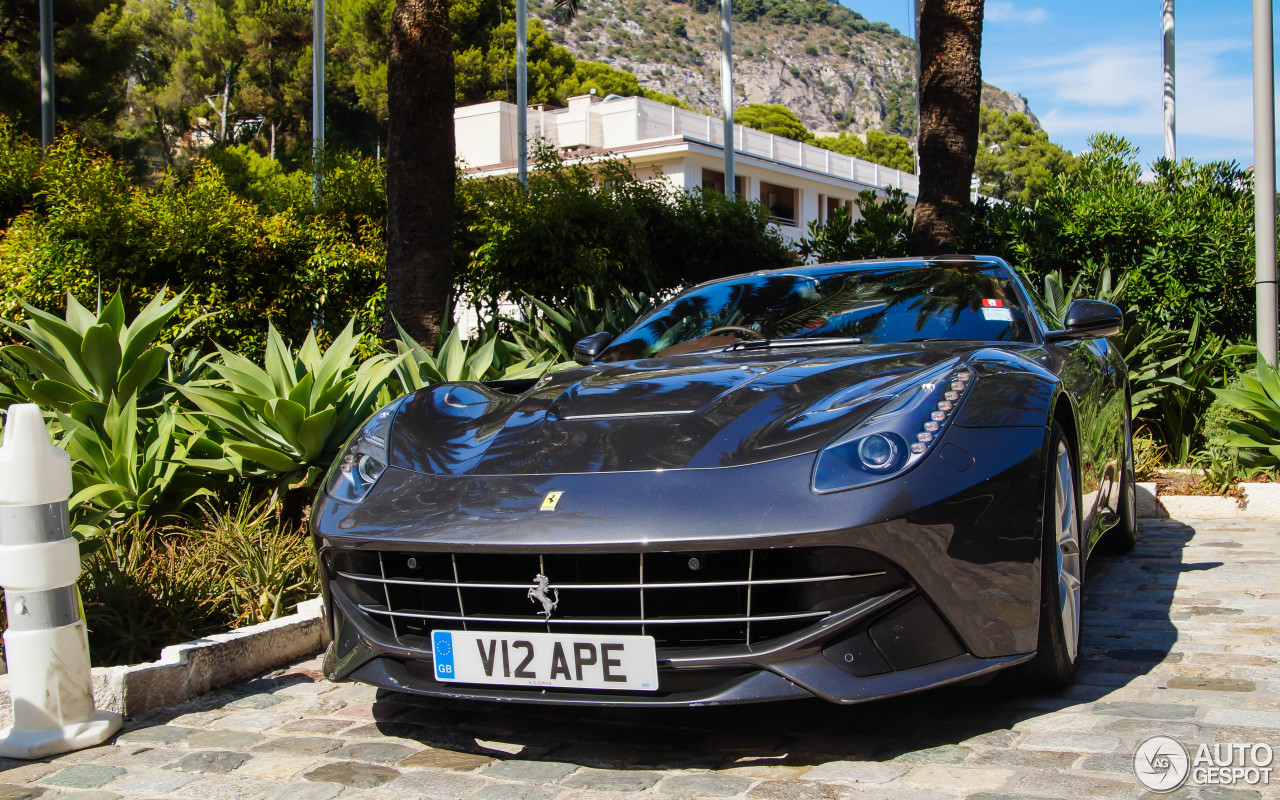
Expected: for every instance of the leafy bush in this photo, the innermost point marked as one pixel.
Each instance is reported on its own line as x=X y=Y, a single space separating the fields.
x=144 y=591
x=880 y=232
x=1171 y=375
x=19 y=168
x=487 y=358
x=267 y=567
x=580 y=226
x=95 y=230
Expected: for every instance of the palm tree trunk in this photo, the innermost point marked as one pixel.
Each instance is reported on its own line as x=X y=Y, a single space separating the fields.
x=950 y=98
x=420 y=169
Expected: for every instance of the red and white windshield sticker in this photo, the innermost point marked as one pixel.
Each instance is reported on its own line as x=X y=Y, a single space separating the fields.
x=992 y=303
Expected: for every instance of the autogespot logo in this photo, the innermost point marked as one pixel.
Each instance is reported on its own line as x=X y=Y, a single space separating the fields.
x=1161 y=764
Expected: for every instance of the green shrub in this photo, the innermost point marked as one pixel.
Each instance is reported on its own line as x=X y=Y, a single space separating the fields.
x=881 y=231
x=19 y=170
x=267 y=567
x=556 y=330
x=144 y=591
x=580 y=226
x=96 y=231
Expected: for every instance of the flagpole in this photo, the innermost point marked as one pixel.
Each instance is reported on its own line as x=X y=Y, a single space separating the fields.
x=522 y=95
x=317 y=102
x=1264 y=178
x=46 y=73
x=726 y=90
x=1166 y=25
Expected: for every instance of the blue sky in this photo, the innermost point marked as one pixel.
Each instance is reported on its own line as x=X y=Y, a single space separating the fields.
x=1094 y=65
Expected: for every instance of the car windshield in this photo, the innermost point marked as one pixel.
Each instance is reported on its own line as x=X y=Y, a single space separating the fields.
x=870 y=303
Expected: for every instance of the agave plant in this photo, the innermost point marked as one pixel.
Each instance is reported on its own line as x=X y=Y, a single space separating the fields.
x=288 y=417
x=124 y=470
x=488 y=359
x=1258 y=396
x=80 y=364
x=557 y=330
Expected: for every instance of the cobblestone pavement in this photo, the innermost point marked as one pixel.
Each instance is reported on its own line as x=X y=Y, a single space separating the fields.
x=1182 y=639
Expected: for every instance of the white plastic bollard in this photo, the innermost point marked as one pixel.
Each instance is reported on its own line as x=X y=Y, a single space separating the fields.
x=46 y=645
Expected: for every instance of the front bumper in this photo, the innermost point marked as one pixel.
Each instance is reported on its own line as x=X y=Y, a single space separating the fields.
x=965 y=542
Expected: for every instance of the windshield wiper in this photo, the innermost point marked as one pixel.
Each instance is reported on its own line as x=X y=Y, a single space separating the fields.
x=762 y=344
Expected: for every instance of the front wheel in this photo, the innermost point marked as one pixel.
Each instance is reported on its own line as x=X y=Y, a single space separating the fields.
x=1061 y=573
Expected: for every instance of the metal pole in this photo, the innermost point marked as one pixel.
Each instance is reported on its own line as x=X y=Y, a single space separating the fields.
x=317 y=103
x=46 y=73
x=1166 y=24
x=522 y=94
x=726 y=90
x=1264 y=178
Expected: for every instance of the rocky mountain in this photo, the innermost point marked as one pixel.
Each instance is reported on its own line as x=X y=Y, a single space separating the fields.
x=837 y=74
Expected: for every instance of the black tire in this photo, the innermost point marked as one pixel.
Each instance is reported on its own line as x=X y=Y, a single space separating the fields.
x=1061 y=572
x=1123 y=537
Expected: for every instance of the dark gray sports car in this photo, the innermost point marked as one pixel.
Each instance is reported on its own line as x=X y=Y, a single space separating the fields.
x=845 y=481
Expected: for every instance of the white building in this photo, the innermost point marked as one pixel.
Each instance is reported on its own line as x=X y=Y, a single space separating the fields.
x=797 y=182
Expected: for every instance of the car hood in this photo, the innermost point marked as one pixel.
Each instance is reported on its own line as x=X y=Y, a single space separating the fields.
x=702 y=410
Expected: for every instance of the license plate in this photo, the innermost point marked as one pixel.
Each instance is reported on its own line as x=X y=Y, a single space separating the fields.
x=552 y=660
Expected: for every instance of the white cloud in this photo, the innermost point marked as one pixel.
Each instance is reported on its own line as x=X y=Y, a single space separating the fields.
x=1007 y=13
x=1116 y=87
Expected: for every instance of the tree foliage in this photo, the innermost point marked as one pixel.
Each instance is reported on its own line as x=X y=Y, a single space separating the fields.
x=773 y=118
x=878 y=147
x=1016 y=161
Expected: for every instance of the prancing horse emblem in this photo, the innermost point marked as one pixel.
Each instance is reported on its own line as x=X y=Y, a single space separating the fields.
x=538 y=594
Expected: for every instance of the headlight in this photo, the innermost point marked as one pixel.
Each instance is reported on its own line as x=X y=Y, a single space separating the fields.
x=363 y=458
x=897 y=436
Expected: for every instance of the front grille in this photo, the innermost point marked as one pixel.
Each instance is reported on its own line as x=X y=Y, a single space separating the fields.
x=684 y=599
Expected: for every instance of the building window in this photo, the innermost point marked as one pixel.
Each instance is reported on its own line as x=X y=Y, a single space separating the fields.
x=833 y=204
x=781 y=202
x=713 y=181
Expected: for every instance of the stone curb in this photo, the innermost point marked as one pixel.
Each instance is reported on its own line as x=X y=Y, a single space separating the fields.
x=1261 y=501
x=190 y=669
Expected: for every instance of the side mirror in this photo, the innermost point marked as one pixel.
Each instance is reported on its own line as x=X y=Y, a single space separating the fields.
x=1089 y=319
x=585 y=351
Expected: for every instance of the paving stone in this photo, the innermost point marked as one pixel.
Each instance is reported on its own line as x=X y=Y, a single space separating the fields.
x=1114 y=763
x=857 y=772
x=156 y=734
x=957 y=778
x=324 y=727
x=223 y=740
x=1147 y=710
x=447 y=785
x=1213 y=684
x=1142 y=728
x=141 y=757
x=1039 y=759
x=213 y=762
x=8 y=792
x=151 y=783
x=946 y=754
x=306 y=790
x=694 y=785
x=1244 y=717
x=377 y=752
x=97 y=794
x=225 y=787
x=253 y=721
x=353 y=774
x=1070 y=785
x=256 y=702
x=1004 y=796
x=532 y=771
x=609 y=780
x=432 y=758
x=299 y=745
x=510 y=791
x=277 y=767
x=84 y=776
x=797 y=790
x=28 y=772
x=1079 y=742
